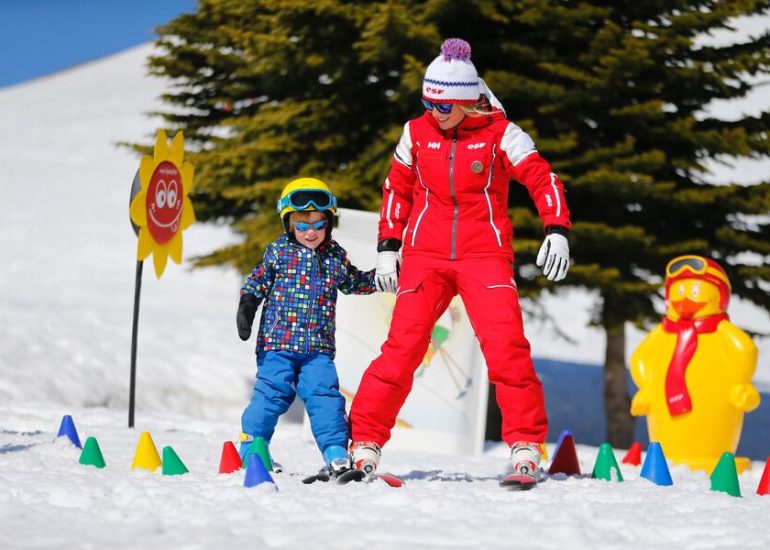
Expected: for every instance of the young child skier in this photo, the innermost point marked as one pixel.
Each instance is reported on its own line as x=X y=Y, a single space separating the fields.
x=297 y=280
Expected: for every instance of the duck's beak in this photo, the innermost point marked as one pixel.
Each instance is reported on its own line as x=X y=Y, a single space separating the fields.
x=687 y=308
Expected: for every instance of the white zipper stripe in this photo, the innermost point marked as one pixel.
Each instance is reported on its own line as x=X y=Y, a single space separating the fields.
x=390 y=204
x=419 y=218
x=406 y=292
x=505 y=286
x=556 y=193
x=489 y=202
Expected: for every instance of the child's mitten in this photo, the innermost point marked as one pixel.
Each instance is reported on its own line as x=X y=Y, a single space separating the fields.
x=247 y=308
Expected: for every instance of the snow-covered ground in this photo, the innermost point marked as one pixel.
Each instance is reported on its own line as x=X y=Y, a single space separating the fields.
x=66 y=295
x=48 y=500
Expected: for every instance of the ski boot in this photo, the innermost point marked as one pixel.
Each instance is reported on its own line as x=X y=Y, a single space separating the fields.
x=246 y=441
x=337 y=460
x=338 y=468
x=525 y=458
x=366 y=457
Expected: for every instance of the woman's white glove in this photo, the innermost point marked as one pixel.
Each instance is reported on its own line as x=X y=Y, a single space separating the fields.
x=386 y=274
x=554 y=257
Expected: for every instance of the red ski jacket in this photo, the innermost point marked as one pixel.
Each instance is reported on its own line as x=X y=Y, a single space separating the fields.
x=446 y=194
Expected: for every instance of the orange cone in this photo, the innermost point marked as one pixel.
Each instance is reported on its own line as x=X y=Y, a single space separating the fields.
x=231 y=460
x=764 y=484
x=634 y=455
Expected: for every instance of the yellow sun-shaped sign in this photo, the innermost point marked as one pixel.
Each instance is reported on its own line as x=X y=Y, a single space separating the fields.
x=161 y=209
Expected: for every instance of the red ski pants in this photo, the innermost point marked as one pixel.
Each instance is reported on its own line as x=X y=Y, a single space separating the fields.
x=488 y=291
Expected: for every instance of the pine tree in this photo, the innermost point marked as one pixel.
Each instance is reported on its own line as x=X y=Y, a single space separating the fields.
x=615 y=95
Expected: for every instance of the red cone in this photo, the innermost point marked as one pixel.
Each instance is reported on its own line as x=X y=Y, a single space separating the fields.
x=231 y=460
x=565 y=461
x=634 y=455
x=764 y=484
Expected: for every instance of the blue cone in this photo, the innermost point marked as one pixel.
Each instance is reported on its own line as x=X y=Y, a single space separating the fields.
x=562 y=435
x=655 y=468
x=256 y=473
x=67 y=427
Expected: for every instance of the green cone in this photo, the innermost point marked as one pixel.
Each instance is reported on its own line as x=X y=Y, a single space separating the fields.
x=724 y=478
x=172 y=464
x=605 y=464
x=259 y=447
x=92 y=454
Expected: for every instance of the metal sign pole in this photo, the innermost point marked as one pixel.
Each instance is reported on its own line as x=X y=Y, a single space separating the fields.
x=136 y=186
x=134 y=332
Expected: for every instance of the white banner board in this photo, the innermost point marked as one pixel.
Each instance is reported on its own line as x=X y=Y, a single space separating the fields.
x=446 y=410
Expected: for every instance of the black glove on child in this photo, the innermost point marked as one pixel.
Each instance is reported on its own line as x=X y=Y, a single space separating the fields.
x=247 y=308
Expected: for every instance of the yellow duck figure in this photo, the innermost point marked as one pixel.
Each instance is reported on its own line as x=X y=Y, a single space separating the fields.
x=694 y=369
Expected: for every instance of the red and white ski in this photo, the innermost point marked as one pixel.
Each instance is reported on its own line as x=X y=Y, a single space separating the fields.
x=518 y=482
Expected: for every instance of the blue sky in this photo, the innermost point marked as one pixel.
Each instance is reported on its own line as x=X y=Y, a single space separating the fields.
x=39 y=37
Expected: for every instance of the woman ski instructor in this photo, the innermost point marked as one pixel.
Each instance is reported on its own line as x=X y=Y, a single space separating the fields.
x=445 y=209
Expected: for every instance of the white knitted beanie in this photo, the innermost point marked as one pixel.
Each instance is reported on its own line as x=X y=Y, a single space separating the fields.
x=451 y=77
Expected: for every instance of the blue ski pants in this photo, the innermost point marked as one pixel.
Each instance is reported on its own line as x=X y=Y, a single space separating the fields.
x=281 y=375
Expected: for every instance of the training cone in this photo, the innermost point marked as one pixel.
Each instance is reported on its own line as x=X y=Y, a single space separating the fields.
x=231 y=460
x=67 y=428
x=562 y=435
x=764 y=484
x=172 y=464
x=724 y=478
x=259 y=448
x=146 y=456
x=634 y=455
x=92 y=454
x=256 y=473
x=655 y=467
x=565 y=460
x=606 y=466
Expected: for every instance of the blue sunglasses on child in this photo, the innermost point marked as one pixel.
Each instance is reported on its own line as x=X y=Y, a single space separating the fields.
x=443 y=108
x=305 y=226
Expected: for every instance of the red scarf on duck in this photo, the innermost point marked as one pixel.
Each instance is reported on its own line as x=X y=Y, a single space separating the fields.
x=687 y=331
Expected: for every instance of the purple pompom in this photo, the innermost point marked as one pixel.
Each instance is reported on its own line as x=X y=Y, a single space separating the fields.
x=456 y=48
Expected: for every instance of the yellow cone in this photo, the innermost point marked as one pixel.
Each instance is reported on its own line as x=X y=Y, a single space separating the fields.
x=146 y=456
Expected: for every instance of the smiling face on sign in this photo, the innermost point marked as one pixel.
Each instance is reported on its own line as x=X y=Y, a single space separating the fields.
x=164 y=202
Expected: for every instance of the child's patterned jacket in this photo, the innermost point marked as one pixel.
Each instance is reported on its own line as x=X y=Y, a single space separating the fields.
x=299 y=289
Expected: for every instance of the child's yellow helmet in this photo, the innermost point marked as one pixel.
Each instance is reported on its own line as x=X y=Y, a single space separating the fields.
x=306 y=194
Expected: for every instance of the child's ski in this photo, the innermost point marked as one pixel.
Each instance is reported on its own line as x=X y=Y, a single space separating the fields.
x=326 y=476
x=355 y=476
x=518 y=482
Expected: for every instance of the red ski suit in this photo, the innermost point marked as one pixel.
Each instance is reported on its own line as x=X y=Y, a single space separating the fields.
x=445 y=198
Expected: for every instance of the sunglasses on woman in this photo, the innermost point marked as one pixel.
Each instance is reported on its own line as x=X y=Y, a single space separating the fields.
x=305 y=226
x=443 y=108
x=303 y=199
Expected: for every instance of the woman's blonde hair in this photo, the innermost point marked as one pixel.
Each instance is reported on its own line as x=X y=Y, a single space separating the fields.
x=481 y=108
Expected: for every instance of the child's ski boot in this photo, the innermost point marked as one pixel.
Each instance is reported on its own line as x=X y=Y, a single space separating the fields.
x=337 y=460
x=338 y=467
